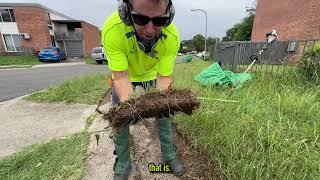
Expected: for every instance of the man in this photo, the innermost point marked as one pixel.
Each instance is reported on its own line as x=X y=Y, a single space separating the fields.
x=141 y=45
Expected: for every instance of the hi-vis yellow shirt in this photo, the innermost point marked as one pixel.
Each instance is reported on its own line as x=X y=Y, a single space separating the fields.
x=123 y=52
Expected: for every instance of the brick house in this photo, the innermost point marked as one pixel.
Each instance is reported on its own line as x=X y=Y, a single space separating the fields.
x=33 y=26
x=293 y=19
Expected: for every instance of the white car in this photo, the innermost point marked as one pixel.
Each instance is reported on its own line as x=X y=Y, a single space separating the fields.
x=179 y=54
x=98 y=55
x=203 y=55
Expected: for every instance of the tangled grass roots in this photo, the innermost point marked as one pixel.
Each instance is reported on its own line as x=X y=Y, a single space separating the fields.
x=151 y=105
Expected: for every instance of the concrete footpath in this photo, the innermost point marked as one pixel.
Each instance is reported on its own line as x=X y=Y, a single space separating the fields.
x=24 y=123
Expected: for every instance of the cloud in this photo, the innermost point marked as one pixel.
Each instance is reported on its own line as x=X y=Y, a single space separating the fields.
x=222 y=14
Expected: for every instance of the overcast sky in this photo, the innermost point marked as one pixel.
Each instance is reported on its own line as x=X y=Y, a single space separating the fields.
x=222 y=14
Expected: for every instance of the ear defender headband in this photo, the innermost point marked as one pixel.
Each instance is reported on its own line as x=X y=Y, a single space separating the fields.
x=124 y=8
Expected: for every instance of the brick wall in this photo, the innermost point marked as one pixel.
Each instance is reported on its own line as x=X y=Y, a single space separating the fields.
x=293 y=19
x=33 y=20
x=91 y=37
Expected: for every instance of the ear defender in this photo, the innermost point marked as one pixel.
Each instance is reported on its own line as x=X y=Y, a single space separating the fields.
x=124 y=8
x=124 y=12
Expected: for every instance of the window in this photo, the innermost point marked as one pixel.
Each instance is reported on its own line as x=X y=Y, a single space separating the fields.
x=17 y=42
x=97 y=50
x=7 y=15
x=48 y=50
x=12 y=42
x=49 y=19
x=13 y=18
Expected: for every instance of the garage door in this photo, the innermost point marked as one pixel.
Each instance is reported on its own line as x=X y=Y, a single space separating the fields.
x=74 y=48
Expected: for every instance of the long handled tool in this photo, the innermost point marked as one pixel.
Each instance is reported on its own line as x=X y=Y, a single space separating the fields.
x=271 y=37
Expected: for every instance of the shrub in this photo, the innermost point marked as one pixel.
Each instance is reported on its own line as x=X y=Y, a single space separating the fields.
x=309 y=65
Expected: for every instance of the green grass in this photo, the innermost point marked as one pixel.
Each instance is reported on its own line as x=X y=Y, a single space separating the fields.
x=57 y=159
x=19 y=60
x=272 y=133
x=267 y=68
x=89 y=60
x=86 y=89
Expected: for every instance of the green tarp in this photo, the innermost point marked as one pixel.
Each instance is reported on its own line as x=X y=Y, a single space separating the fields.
x=187 y=59
x=215 y=75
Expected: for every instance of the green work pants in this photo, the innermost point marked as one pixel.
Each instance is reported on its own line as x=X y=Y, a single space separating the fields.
x=121 y=142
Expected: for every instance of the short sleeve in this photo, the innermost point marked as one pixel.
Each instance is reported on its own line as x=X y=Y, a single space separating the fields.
x=114 y=49
x=166 y=63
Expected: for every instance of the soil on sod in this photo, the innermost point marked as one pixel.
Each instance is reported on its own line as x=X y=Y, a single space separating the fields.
x=197 y=163
x=151 y=105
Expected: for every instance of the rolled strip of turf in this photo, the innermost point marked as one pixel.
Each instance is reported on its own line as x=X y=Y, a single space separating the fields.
x=152 y=104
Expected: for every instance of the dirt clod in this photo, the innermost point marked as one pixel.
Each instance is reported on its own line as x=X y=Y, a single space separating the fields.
x=151 y=105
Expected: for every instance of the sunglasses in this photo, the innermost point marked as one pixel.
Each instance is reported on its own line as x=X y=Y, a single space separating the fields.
x=142 y=20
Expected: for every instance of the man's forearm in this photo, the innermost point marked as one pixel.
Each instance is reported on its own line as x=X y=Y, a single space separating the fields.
x=122 y=85
x=163 y=82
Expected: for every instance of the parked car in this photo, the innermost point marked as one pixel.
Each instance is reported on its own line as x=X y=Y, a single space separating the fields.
x=203 y=55
x=179 y=54
x=98 y=55
x=51 y=53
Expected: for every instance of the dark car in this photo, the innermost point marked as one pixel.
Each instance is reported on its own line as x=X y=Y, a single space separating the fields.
x=51 y=53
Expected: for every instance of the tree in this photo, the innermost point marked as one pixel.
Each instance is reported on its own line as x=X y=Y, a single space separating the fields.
x=198 y=42
x=211 y=42
x=241 y=31
x=187 y=46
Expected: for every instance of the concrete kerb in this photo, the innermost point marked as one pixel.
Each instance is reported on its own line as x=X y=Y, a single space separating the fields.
x=58 y=64
x=22 y=67
x=15 y=67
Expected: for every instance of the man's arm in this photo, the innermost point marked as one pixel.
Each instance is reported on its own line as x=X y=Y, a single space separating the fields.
x=163 y=82
x=122 y=84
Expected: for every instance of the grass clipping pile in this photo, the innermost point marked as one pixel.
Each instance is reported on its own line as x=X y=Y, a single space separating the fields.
x=151 y=105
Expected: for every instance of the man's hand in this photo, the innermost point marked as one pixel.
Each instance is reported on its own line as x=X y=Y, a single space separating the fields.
x=122 y=85
x=163 y=82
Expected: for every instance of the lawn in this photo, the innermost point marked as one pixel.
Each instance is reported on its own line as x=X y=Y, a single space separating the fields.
x=57 y=159
x=273 y=132
x=86 y=89
x=19 y=60
x=89 y=60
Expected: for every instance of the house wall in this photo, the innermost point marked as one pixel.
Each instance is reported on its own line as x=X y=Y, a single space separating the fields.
x=33 y=20
x=293 y=19
x=91 y=37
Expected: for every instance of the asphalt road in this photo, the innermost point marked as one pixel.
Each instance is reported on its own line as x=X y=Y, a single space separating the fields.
x=15 y=83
